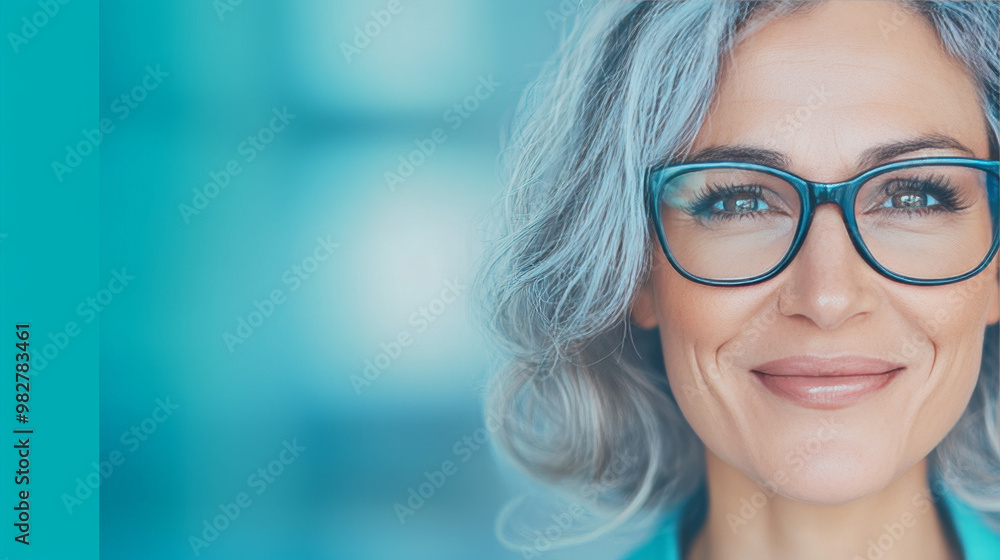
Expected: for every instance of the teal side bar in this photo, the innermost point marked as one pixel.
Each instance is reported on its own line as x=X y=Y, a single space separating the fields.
x=49 y=253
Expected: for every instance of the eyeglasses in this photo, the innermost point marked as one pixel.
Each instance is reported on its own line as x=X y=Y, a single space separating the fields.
x=927 y=221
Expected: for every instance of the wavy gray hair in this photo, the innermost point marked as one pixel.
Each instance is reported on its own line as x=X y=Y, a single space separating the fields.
x=628 y=88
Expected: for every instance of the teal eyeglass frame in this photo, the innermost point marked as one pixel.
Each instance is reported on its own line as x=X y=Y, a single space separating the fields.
x=812 y=194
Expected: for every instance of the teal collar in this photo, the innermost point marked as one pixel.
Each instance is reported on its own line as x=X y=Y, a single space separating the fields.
x=678 y=527
x=977 y=540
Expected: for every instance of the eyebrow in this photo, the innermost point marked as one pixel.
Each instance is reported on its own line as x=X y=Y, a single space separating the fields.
x=871 y=157
x=884 y=152
x=742 y=154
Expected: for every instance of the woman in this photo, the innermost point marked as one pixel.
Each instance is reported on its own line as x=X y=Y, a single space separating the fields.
x=752 y=246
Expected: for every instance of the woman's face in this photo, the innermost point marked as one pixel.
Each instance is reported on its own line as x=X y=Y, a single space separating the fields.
x=822 y=87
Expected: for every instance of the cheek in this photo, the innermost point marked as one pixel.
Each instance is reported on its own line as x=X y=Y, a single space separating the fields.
x=698 y=328
x=952 y=322
x=695 y=320
x=953 y=327
x=701 y=323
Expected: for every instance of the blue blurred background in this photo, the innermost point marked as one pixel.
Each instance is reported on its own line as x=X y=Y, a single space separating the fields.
x=262 y=291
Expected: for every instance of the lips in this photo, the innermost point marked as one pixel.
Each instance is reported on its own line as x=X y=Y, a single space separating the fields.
x=817 y=382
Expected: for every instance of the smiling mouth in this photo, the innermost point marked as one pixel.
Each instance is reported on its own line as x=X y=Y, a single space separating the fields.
x=826 y=391
x=826 y=382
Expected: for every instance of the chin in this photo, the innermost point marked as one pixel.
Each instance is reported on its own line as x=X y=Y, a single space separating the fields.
x=840 y=473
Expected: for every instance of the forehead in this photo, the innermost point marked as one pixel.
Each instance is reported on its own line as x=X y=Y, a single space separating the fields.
x=834 y=79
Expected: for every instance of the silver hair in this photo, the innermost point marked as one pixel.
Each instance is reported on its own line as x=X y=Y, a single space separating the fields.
x=575 y=384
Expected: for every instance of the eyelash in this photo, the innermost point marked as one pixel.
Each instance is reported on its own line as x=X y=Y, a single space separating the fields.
x=702 y=205
x=936 y=186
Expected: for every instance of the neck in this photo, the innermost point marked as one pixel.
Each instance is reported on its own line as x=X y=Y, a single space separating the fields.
x=745 y=521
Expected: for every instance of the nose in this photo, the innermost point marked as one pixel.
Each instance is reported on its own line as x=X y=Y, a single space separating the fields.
x=828 y=282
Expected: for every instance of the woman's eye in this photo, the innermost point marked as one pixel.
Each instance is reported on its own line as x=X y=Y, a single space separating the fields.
x=740 y=203
x=910 y=199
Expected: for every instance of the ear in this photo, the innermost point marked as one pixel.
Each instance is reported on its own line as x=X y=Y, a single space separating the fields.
x=643 y=311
